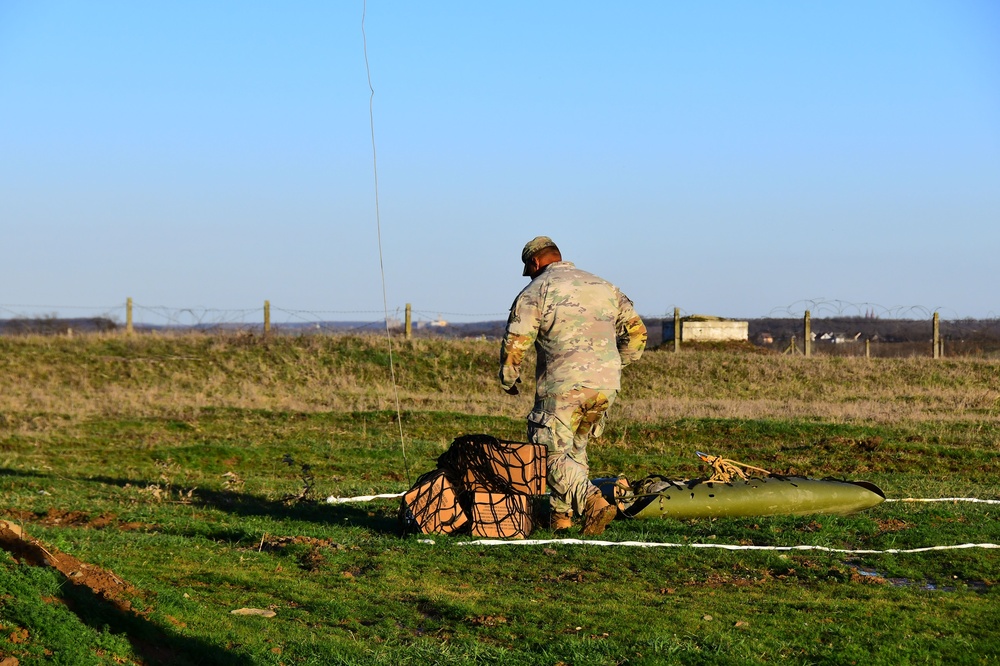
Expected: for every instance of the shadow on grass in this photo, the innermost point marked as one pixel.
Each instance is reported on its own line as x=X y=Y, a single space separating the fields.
x=153 y=644
x=242 y=504
x=245 y=504
x=6 y=471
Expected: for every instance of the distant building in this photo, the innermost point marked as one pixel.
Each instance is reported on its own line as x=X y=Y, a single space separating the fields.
x=438 y=323
x=707 y=328
x=839 y=338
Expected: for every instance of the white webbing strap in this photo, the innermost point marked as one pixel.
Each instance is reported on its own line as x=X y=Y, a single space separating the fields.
x=361 y=498
x=944 y=499
x=369 y=498
x=723 y=546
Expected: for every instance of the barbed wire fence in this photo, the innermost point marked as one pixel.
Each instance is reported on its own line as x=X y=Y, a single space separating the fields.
x=142 y=317
x=821 y=307
x=842 y=328
x=838 y=327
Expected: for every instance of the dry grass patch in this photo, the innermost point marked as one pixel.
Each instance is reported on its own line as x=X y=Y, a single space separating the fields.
x=105 y=375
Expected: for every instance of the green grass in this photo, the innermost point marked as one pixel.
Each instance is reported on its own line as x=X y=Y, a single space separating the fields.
x=178 y=486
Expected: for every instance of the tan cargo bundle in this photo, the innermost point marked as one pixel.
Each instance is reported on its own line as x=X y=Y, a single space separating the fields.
x=431 y=506
x=487 y=463
x=481 y=483
x=501 y=516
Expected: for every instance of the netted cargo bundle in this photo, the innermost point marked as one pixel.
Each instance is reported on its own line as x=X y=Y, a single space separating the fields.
x=482 y=483
x=500 y=515
x=432 y=506
x=485 y=463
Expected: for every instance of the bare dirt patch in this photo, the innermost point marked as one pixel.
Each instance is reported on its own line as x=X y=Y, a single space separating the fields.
x=312 y=559
x=59 y=518
x=278 y=542
x=101 y=582
x=891 y=525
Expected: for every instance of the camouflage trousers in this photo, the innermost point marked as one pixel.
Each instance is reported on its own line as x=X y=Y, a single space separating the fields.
x=564 y=424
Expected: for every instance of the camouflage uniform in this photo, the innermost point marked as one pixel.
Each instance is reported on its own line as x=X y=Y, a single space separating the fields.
x=585 y=331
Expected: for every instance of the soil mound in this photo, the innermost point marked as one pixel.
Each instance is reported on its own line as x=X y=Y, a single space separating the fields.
x=101 y=582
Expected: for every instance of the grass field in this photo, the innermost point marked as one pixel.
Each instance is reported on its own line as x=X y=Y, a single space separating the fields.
x=190 y=472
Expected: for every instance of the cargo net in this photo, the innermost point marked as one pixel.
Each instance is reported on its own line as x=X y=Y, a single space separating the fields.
x=500 y=515
x=480 y=480
x=432 y=506
x=483 y=462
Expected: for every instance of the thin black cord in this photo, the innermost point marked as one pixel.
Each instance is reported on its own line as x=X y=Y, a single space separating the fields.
x=378 y=226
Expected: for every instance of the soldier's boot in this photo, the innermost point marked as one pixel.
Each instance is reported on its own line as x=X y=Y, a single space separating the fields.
x=560 y=521
x=597 y=514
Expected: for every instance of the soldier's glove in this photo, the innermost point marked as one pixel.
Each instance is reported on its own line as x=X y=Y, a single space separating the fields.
x=513 y=389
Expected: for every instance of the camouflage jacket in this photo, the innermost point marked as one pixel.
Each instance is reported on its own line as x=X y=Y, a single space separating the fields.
x=585 y=331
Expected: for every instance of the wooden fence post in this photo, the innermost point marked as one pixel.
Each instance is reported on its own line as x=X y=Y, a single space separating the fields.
x=267 y=317
x=409 y=322
x=128 y=316
x=792 y=347
x=807 y=334
x=868 y=348
x=677 y=329
x=936 y=341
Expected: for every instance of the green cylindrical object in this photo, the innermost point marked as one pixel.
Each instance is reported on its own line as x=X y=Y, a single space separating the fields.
x=658 y=497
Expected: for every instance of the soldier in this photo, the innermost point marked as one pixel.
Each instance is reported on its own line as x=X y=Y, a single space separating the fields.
x=585 y=331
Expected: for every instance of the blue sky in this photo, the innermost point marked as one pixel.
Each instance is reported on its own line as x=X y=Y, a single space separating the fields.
x=729 y=158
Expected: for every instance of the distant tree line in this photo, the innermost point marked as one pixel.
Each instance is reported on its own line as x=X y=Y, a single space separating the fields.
x=50 y=325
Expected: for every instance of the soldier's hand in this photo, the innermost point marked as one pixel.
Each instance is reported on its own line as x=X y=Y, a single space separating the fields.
x=513 y=389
